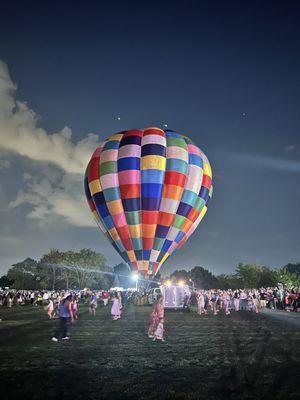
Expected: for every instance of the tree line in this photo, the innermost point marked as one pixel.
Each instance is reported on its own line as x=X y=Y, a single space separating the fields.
x=60 y=270
x=245 y=276
x=87 y=268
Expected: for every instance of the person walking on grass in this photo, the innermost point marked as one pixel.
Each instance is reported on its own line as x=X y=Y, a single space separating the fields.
x=74 y=307
x=156 y=325
x=236 y=300
x=214 y=299
x=226 y=302
x=49 y=308
x=105 y=297
x=93 y=304
x=159 y=332
x=256 y=301
x=65 y=315
x=116 y=307
x=201 y=303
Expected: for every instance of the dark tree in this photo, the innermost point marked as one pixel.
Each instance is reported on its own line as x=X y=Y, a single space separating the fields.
x=84 y=268
x=292 y=268
x=203 y=279
x=23 y=274
x=5 y=282
x=180 y=275
x=255 y=275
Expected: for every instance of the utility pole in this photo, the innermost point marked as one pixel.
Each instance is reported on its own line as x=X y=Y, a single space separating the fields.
x=53 y=278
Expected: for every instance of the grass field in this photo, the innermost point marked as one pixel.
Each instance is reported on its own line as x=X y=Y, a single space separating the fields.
x=243 y=356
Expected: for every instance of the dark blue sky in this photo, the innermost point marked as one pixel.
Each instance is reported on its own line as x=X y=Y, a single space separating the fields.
x=224 y=73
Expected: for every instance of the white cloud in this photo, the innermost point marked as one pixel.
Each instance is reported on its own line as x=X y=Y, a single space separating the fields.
x=55 y=190
x=53 y=195
x=19 y=133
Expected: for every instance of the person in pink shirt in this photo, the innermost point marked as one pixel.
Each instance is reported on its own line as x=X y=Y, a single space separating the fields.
x=116 y=307
x=157 y=316
x=74 y=307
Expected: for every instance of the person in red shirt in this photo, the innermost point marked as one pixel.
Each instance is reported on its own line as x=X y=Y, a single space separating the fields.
x=105 y=297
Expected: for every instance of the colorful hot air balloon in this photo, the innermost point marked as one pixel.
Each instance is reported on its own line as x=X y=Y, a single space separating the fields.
x=148 y=190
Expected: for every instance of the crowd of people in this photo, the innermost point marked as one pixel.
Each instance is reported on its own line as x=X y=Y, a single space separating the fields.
x=13 y=297
x=227 y=301
x=242 y=299
x=245 y=299
x=63 y=305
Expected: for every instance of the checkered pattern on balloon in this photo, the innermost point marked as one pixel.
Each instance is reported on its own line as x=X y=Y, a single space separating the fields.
x=148 y=190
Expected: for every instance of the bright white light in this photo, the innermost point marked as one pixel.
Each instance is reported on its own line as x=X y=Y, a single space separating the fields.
x=135 y=276
x=181 y=283
x=168 y=282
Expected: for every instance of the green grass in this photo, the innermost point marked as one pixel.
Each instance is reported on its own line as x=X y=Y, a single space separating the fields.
x=241 y=357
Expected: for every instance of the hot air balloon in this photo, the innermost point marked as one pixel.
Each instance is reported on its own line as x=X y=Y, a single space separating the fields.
x=148 y=191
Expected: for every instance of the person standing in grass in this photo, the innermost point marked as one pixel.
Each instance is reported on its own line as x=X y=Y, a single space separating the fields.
x=49 y=308
x=32 y=297
x=93 y=304
x=157 y=317
x=214 y=298
x=201 y=303
x=105 y=297
x=65 y=315
x=236 y=300
x=120 y=299
x=159 y=332
x=9 y=300
x=226 y=302
x=74 y=307
x=243 y=305
x=255 y=300
x=116 y=307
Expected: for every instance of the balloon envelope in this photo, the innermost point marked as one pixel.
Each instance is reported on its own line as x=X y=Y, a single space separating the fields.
x=148 y=191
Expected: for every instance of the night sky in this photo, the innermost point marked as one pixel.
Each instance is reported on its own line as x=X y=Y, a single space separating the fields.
x=227 y=74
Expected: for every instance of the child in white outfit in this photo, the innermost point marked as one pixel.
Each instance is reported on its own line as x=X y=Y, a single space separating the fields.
x=159 y=333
